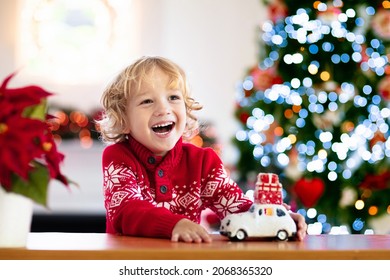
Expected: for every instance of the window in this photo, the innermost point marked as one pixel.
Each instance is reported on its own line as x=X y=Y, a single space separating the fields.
x=72 y=41
x=280 y=212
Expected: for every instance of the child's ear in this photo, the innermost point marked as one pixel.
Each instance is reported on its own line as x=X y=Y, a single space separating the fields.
x=126 y=129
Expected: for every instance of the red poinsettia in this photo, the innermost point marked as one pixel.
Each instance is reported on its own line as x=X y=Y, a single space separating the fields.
x=28 y=153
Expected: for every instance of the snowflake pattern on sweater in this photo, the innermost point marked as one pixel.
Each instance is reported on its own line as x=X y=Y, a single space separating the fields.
x=118 y=193
x=121 y=185
x=194 y=179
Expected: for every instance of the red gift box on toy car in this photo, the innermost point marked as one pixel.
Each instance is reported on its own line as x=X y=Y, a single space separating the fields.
x=268 y=189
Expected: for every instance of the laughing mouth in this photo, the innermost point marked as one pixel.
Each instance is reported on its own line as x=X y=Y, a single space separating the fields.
x=163 y=128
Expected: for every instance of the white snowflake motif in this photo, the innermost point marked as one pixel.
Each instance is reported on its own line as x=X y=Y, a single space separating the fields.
x=228 y=205
x=186 y=200
x=220 y=179
x=117 y=198
x=164 y=204
x=168 y=204
x=113 y=175
x=210 y=189
x=135 y=192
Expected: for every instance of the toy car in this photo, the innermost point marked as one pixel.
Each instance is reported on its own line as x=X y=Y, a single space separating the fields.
x=261 y=220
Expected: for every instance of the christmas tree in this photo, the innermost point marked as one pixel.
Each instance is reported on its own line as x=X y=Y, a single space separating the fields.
x=315 y=109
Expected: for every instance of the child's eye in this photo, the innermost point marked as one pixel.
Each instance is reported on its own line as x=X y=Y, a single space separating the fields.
x=174 y=97
x=146 y=101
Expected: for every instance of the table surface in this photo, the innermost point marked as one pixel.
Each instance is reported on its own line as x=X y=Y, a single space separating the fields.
x=95 y=246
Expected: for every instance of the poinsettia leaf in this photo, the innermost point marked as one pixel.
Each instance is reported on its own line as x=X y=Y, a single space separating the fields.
x=71 y=182
x=36 y=111
x=35 y=187
x=6 y=81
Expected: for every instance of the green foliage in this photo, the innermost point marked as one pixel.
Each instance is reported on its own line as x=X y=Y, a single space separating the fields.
x=36 y=185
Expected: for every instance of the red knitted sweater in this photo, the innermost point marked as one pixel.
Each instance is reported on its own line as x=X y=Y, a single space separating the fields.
x=146 y=195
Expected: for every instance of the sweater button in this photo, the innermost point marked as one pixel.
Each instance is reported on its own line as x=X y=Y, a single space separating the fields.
x=163 y=189
x=151 y=160
x=160 y=173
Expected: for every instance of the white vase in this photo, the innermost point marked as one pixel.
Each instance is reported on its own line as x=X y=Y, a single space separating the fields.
x=15 y=219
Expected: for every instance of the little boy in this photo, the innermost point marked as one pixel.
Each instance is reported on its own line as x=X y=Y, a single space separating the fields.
x=155 y=184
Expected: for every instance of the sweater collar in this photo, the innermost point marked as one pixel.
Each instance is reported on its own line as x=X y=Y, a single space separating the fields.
x=151 y=161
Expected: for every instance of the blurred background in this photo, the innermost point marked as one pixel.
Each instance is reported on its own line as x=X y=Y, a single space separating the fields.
x=294 y=87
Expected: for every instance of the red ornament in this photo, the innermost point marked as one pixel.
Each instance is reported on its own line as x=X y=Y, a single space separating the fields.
x=384 y=87
x=309 y=191
x=376 y=182
x=277 y=10
x=264 y=79
x=212 y=219
x=244 y=117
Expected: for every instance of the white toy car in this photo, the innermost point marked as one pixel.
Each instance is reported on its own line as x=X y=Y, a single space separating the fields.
x=261 y=220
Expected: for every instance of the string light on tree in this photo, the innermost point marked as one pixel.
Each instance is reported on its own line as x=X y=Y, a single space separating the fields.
x=316 y=106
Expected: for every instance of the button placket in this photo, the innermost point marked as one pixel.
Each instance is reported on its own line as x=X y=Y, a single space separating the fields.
x=151 y=160
x=163 y=189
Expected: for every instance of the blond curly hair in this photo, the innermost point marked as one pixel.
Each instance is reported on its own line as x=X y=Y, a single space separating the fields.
x=113 y=123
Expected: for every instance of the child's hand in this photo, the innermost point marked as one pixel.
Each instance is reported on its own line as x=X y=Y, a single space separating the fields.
x=300 y=221
x=301 y=225
x=188 y=231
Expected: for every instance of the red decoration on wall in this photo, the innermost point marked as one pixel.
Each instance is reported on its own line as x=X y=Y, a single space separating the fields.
x=309 y=191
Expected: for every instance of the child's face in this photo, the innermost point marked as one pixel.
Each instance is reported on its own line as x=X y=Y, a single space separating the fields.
x=156 y=114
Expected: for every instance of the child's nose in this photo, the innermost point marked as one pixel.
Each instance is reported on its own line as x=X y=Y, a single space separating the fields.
x=162 y=108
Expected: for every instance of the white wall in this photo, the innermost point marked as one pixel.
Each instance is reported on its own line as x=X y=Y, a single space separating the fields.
x=8 y=34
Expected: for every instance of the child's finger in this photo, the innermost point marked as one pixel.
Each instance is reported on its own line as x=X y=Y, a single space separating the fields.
x=175 y=237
